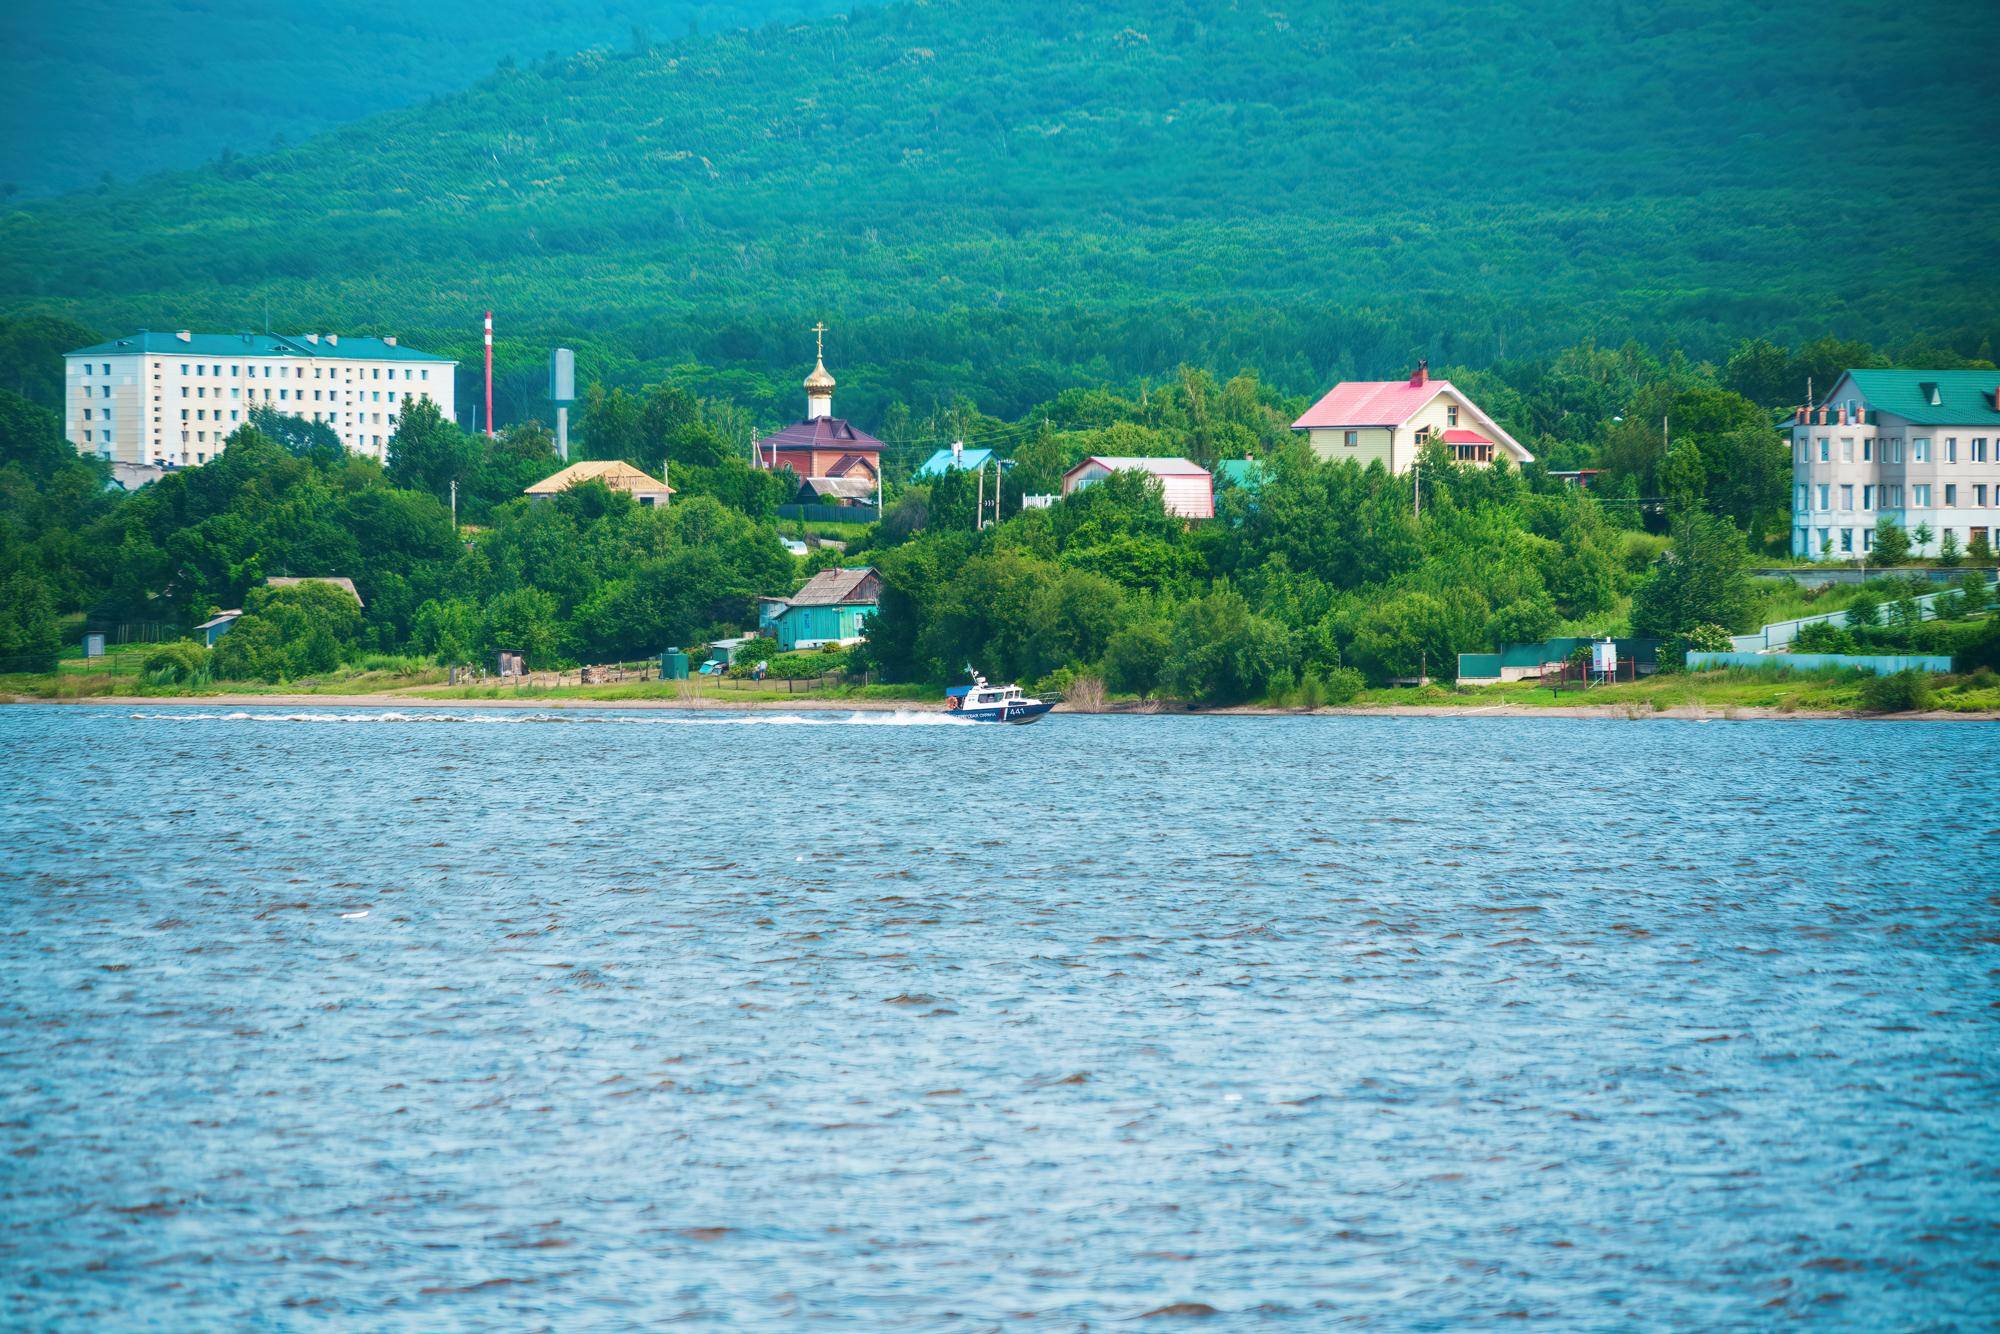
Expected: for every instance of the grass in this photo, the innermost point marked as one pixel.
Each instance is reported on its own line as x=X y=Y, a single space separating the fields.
x=1775 y=687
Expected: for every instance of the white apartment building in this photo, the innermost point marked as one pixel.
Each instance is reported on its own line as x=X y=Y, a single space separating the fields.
x=1918 y=447
x=173 y=399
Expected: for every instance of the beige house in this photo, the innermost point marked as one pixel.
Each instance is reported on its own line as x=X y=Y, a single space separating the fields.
x=1916 y=447
x=1390 y=421
x=617 y=475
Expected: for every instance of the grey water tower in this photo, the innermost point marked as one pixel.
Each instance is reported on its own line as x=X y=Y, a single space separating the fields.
x=562 y=392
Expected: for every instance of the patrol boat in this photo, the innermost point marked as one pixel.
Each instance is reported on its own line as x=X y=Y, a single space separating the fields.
x=984 y=703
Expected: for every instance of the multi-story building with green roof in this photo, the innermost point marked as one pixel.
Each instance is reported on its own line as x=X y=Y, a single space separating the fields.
x=1921 y=448
x=173 y=399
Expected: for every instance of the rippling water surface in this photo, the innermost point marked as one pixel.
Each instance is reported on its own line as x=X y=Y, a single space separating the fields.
x=508 y=1020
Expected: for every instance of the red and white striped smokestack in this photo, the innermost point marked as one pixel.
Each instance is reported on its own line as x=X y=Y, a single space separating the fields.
x=489 y=375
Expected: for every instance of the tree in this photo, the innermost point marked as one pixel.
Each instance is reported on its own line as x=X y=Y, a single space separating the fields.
x=522 y=621
x=29 y=636
x=1136 y=657
x=448 y=630
x=1948 y=554
x=1892 y=544
x=1701 y=578
x=1920 y=538
x=314 y=441
x=428 y=453
x=1526 y=620
x=288 y=632
x=1224 y=654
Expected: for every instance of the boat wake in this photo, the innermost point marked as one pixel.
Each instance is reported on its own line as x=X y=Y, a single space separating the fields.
x=899 y=718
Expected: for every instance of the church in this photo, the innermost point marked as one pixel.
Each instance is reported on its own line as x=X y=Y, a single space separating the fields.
x=835 y=461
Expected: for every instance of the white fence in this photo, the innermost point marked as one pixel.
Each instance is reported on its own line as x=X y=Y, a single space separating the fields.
x=1780 y=634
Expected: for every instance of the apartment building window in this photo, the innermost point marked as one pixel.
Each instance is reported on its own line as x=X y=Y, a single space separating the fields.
x=184 y=414
x=107 y=368
x=1822 y=497
x=105 y=436
x=1951 y=449
x=1867 y=539
x=1979 y=449
x=1847 y=497
x=86 y=414
x=1826 y=539
x=427 y=373
x=1847 y=449
x=1920 y=450
x=1921 y=494
x=1867 y=448
x=1895 y=451
x=1825 y=449
x=184 y=368
x=1950 y=494
x=200 y=369
x=1896 y=496
x=1847 y=539
x=1799 y=498
x=1979 y=494
x=218 y=369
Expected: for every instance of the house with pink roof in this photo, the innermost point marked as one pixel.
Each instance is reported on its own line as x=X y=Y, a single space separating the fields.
x=1389 y=421
x=1186 y=489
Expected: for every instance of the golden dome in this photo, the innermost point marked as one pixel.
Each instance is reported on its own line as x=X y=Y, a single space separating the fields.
x=819 y=382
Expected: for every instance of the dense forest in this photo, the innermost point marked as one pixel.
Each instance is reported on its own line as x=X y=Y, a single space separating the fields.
x=995 y=201
x=99 y=89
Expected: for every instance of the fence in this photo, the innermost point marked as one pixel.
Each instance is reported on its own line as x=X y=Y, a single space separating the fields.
x=1780 y=633
x=830 y=513
x=1881 y=664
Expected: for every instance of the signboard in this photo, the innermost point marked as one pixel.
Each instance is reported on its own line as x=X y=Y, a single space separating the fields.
x=562 y=376
x=1604 y=658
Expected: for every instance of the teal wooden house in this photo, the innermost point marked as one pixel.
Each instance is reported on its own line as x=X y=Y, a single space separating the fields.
x=832 y=608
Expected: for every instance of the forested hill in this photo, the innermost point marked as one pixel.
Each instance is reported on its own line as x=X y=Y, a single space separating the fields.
x=998 y=195
x=122 y=88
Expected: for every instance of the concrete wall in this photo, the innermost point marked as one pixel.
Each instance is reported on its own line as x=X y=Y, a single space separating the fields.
x=1882 y=664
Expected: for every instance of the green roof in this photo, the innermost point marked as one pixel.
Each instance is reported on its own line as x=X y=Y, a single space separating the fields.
x=1964 y=398
x=256 y=345
x=1241 y=472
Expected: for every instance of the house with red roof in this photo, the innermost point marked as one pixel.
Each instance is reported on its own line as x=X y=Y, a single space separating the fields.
x=1390 y=421
x=823 y=445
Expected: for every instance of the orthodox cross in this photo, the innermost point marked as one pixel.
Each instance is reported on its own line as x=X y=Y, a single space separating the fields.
x=819 y=338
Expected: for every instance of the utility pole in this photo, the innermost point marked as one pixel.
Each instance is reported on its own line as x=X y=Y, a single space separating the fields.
x=454 y=507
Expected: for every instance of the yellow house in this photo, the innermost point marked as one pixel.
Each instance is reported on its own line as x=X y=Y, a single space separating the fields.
x=1389 y=421
x=617 y=475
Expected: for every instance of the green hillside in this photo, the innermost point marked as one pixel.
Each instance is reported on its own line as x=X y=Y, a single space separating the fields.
x=996 y=197
x=121 y=88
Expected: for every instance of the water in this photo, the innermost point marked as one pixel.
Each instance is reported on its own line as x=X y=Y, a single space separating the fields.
x=582 y=1021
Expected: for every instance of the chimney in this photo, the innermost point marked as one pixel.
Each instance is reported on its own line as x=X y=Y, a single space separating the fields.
x=1422 y=376
x=957 y=452
x=390 y=340
x=184 y=335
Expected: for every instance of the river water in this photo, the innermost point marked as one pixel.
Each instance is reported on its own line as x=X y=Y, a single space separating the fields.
x=516 y=1020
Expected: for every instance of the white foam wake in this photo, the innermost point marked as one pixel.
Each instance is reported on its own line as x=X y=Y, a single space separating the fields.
x=497 y=717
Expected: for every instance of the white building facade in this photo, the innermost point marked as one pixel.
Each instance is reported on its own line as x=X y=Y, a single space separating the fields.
x=173 y=399
x=1920 y=448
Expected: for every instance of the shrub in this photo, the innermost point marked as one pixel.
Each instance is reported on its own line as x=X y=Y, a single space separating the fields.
x=1899 y=692
x=1864 y=610
x=181 y=663
x=1982 y=651
x=1708 y=638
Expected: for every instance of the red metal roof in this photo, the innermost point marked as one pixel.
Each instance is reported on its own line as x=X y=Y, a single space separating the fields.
x=1370 y=403
x=821 y=433
x=1465 y=438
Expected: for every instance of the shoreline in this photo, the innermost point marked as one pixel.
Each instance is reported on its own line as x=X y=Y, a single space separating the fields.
x=1606 y=712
